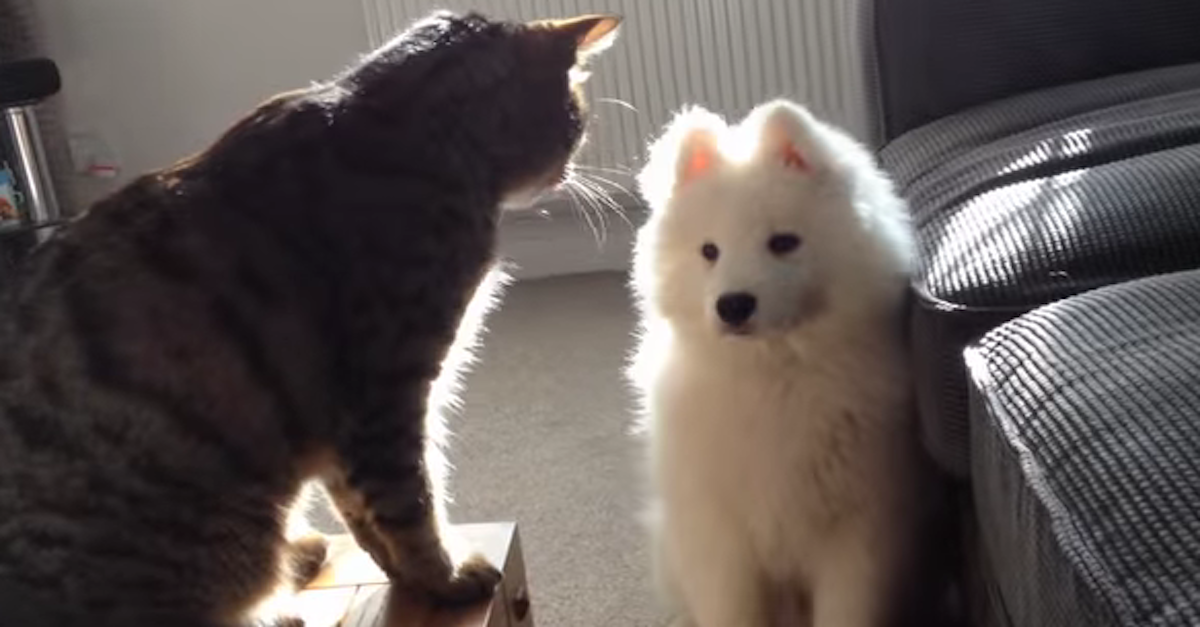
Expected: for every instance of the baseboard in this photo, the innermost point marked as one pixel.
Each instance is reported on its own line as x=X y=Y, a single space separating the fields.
x=556 y=239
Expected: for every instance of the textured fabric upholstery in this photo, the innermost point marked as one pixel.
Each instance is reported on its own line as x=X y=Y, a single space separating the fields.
x=931 y=58
x=1036 y=198
x=1086 y=457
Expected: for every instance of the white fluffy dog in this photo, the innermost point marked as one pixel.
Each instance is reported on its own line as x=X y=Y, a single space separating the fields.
x=774 y=373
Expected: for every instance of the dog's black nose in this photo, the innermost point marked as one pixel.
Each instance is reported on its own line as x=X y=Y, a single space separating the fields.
x=735 y=309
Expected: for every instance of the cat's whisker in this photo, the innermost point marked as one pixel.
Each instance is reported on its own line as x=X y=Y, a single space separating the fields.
x=596 y=211
x=619 y=187
x=603 y=198
x=573 y=189
x=620 y=170
x=604 y=183
x=597 y=208
x=569 y=187
x=590 y=201
x=596 y=200
x=618 y=101
x=611 y=168
x=606 y=198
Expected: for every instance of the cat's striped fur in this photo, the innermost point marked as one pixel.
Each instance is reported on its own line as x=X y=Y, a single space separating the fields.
x=178 y=361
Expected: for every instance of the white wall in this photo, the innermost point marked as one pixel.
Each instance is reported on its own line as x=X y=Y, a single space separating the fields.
x=159 y=79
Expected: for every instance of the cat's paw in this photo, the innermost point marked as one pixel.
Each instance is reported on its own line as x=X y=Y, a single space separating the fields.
x=263 y=617
x=281 y=621
x=305 y=558
x=474 y=580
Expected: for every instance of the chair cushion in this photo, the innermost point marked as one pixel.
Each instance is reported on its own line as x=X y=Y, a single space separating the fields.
x=1085 y=451
x=1037 y=198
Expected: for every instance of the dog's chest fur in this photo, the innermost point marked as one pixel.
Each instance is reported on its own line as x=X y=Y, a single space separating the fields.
x=793 y=448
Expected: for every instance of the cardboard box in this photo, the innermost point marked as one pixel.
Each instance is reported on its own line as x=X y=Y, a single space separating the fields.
x=353 y=592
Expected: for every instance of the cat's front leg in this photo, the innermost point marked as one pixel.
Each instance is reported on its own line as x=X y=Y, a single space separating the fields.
x=353 y=510
x=385 y=494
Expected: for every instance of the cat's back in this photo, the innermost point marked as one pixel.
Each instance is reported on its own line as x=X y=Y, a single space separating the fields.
x=135 y=432
x=160 y=310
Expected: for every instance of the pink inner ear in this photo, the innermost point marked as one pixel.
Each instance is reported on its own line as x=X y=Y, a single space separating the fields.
x=793 y=159
x=698 y=163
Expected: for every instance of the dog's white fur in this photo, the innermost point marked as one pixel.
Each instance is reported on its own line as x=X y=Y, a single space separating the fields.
x=783 y=455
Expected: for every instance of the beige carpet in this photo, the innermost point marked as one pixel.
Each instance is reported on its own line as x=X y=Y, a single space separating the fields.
x=543 y=440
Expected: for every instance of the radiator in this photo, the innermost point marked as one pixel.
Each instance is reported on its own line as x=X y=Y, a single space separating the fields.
x=727 y=55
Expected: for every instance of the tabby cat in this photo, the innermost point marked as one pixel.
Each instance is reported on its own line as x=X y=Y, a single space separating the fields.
x=178 y=361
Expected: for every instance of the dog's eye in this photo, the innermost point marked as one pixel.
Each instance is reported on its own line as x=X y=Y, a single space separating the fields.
x=709 y=251
x=783 y=243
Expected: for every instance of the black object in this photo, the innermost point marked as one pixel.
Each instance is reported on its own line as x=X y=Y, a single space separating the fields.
x=24 y=84
x=27 y=82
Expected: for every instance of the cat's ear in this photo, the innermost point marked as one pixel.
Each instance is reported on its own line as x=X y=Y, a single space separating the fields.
x=782 y=129
x=591 y=34
x=688 y=151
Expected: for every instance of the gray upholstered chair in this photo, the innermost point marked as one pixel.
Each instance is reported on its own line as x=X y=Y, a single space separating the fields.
x=1050 y=154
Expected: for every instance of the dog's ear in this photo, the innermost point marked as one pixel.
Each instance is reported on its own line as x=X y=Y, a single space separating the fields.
x=782 y=129
x=697 y=155
x=693 y=136
x=689 y=150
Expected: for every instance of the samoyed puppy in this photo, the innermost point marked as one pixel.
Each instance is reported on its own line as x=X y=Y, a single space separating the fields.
x=773 y=373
